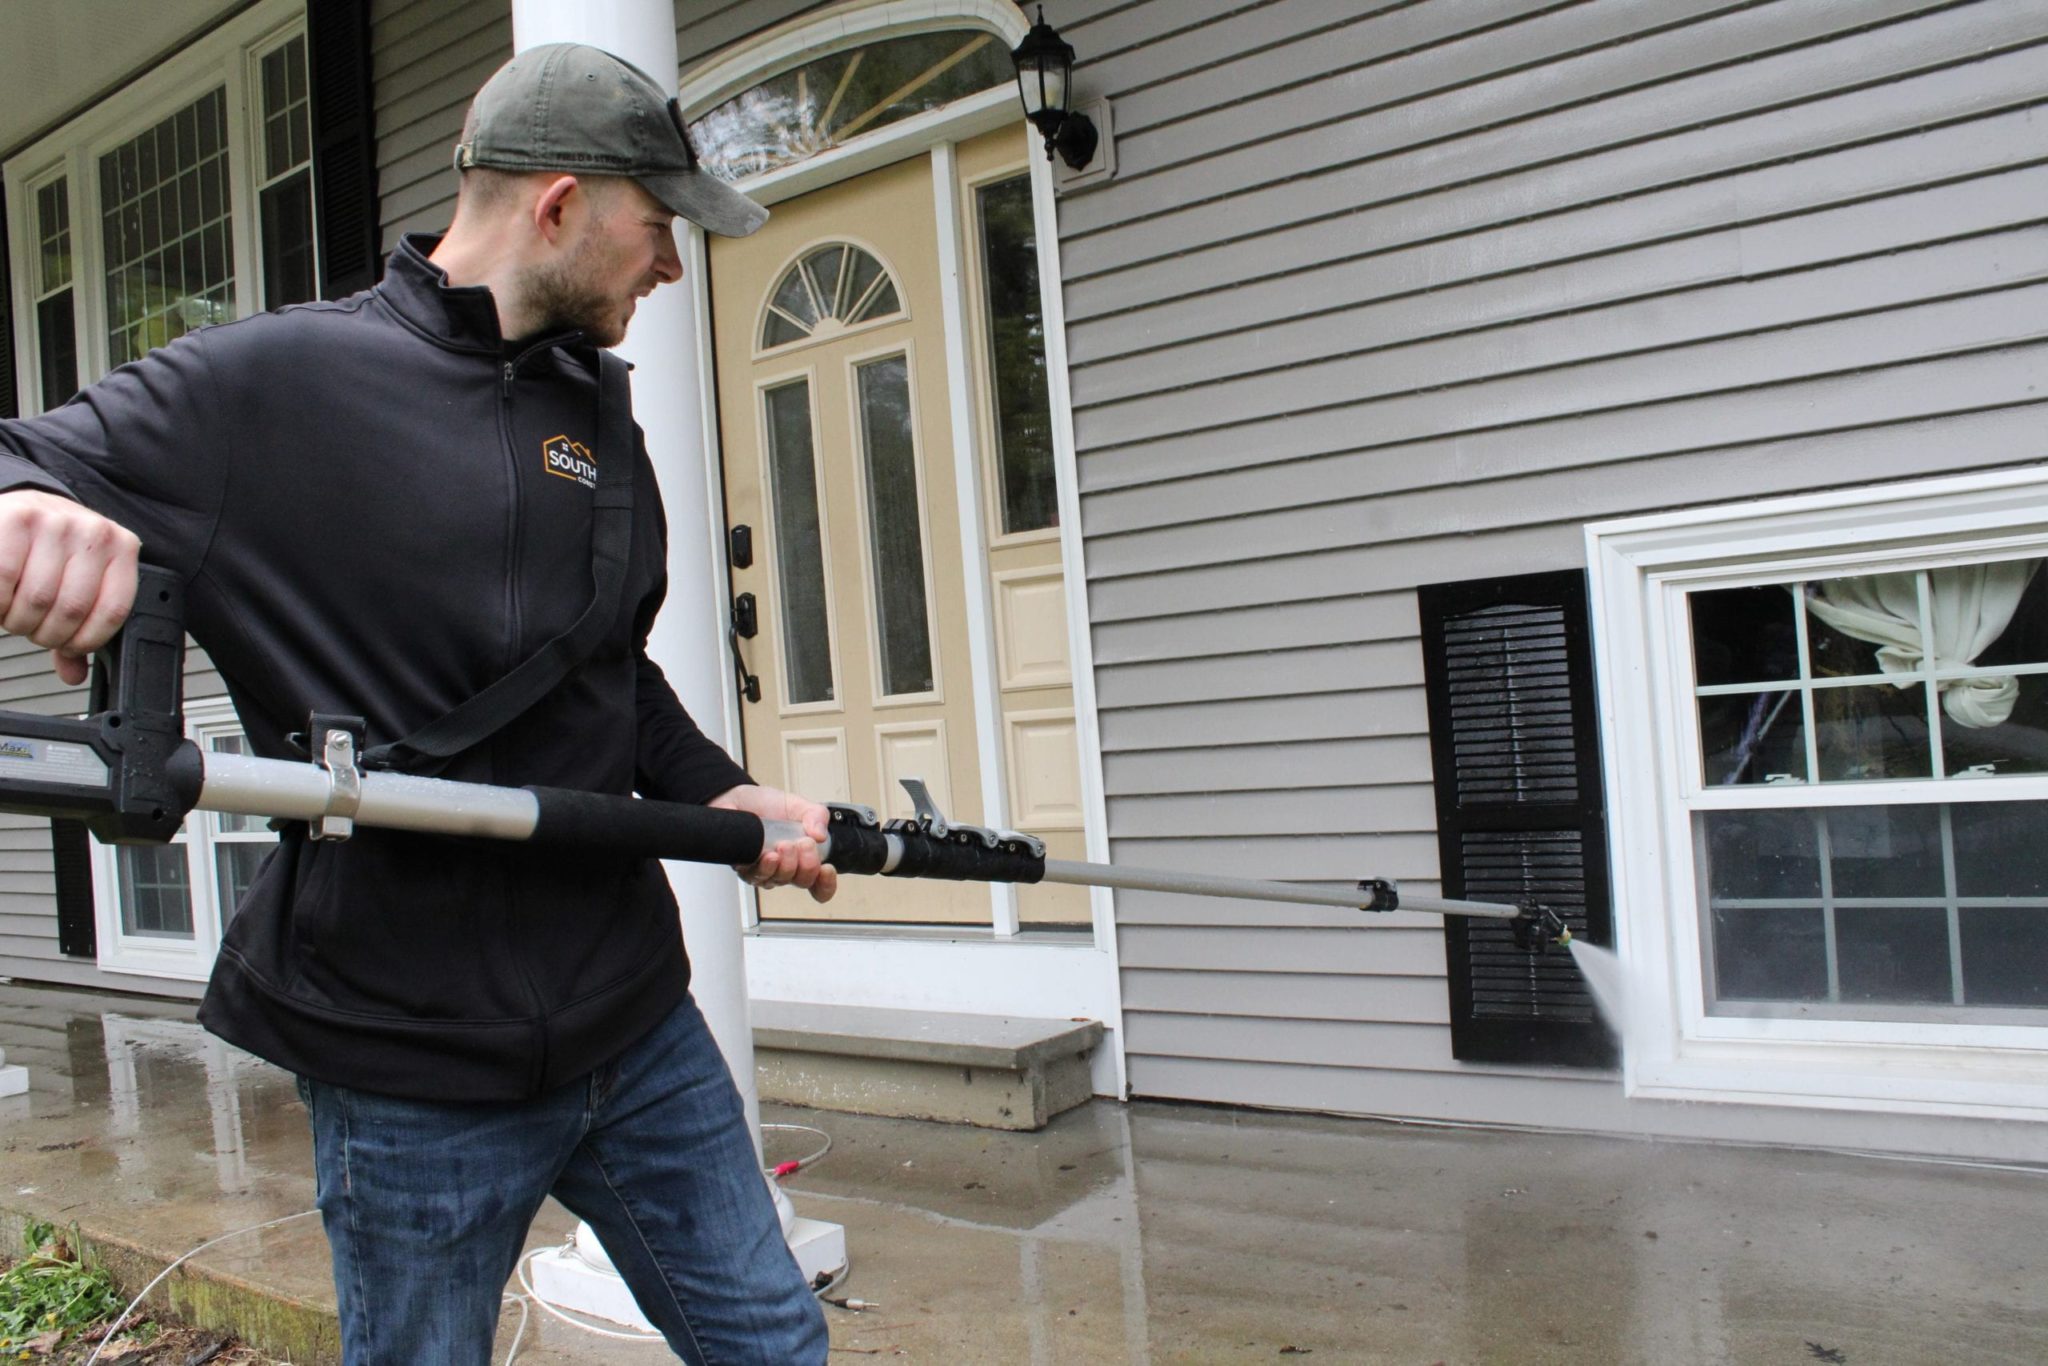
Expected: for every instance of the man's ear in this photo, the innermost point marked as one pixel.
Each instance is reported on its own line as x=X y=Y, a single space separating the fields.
x=551 y=209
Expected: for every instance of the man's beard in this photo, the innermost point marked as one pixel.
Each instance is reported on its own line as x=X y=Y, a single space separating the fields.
x=565 y=295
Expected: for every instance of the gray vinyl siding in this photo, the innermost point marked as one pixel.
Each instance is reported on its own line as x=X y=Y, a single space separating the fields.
x=704 y=27
x=1385 y=295
x=427 y=59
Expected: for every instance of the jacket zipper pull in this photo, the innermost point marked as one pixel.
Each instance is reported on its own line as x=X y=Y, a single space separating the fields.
x=508 y=379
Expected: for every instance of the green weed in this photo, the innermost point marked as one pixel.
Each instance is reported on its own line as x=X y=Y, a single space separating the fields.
x=51 y=1290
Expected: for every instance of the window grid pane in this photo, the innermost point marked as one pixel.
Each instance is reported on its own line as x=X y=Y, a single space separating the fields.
x=1935 y=911
x=156 y=892
x=287 y=128
x=152 y=295
x=1875 y=702
x=53 y=236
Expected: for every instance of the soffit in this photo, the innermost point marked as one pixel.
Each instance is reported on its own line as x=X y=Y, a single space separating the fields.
x=59 y=55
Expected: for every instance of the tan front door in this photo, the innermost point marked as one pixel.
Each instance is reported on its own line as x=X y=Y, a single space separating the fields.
x=837 y=449
x=837 y=439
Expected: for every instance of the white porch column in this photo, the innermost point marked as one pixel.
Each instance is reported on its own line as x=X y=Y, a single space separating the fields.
x=691 y=629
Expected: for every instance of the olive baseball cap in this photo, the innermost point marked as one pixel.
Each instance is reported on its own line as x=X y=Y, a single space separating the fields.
x=573 y=108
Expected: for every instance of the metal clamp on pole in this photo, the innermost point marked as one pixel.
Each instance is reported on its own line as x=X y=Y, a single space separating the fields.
x=335 y=743
x=1379 y=894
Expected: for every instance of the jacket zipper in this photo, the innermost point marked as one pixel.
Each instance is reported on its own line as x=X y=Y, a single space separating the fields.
x=515 y=628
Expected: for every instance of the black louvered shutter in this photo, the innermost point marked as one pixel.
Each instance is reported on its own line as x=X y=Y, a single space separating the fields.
x=10 y=400
x=344 y=145
x=1514 y=734
x=71 y=846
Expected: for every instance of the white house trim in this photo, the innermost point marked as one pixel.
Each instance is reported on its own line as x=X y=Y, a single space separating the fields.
x=974 y=566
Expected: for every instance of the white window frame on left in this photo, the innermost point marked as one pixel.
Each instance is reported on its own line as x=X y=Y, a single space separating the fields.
x=227 y=57
x=145 y=956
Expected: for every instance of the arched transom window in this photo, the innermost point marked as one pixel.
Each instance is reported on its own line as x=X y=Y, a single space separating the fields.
x=827 y=290
x=823 y=103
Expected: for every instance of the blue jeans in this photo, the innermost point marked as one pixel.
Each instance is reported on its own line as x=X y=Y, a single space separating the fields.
x=428 y=1205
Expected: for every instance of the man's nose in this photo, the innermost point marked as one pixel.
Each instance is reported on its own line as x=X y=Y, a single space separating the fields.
x=668 y=262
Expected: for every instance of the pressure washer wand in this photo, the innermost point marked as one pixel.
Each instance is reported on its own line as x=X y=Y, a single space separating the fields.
x=128 y=772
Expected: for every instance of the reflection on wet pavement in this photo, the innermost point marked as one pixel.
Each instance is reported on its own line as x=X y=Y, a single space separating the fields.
x=1152 y=1232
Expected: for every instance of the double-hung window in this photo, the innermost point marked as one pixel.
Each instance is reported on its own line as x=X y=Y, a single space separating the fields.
x=1828 y=748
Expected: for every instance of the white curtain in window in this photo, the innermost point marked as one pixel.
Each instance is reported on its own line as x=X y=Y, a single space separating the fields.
x=1971 y=606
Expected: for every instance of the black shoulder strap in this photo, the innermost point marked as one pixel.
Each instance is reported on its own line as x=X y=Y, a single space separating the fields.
x=611 y=536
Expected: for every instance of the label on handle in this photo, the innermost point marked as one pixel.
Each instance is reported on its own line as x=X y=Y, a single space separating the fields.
x=50 y=761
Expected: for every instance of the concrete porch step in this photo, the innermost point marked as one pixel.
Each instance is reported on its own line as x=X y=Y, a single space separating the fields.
x=995 y=1071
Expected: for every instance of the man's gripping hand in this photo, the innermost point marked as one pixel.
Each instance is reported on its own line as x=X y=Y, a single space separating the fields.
x=67 y=576
x=790 y=861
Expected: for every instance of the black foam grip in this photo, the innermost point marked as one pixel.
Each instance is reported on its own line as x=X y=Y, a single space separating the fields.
x=856 y=848
x=962 y=857
x=630 y=825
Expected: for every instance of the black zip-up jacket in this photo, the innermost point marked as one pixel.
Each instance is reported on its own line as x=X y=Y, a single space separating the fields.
x=359 y=498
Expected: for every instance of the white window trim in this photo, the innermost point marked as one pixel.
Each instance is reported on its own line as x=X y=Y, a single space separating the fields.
x=1640 y=569
x=146 y=956
x=222 y=58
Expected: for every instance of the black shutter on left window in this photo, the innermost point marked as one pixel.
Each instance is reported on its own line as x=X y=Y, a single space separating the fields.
x=77 y=926
x=10 y=401
x=344 y=145
x=1514 y=736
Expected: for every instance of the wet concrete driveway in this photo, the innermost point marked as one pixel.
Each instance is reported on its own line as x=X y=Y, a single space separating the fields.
x=1150 y=1232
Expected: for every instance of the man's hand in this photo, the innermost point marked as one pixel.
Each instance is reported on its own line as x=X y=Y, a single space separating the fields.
x=790 y=861
x=67 y=576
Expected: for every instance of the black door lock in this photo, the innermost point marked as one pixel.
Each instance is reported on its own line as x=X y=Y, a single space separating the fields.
x=746 y=623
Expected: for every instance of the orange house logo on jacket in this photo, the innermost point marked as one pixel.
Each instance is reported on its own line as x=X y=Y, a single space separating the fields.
x=568 y=459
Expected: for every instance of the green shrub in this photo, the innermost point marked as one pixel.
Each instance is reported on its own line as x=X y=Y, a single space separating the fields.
x=52 y=1290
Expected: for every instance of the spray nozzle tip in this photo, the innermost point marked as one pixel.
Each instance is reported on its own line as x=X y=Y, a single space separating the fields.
x=1538 y=927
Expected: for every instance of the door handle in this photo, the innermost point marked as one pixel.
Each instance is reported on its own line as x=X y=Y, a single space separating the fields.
x=746 y=624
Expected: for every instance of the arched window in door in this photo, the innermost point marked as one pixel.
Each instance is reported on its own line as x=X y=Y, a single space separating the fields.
x=826 y=291
x=825 y=102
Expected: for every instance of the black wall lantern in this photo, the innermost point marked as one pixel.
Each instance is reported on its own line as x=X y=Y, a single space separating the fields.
x=1045 y=62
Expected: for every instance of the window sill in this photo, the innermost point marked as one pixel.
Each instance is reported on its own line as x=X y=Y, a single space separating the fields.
x=1975 y=1083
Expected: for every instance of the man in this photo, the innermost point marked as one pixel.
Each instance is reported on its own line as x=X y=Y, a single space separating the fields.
x=367 y=503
